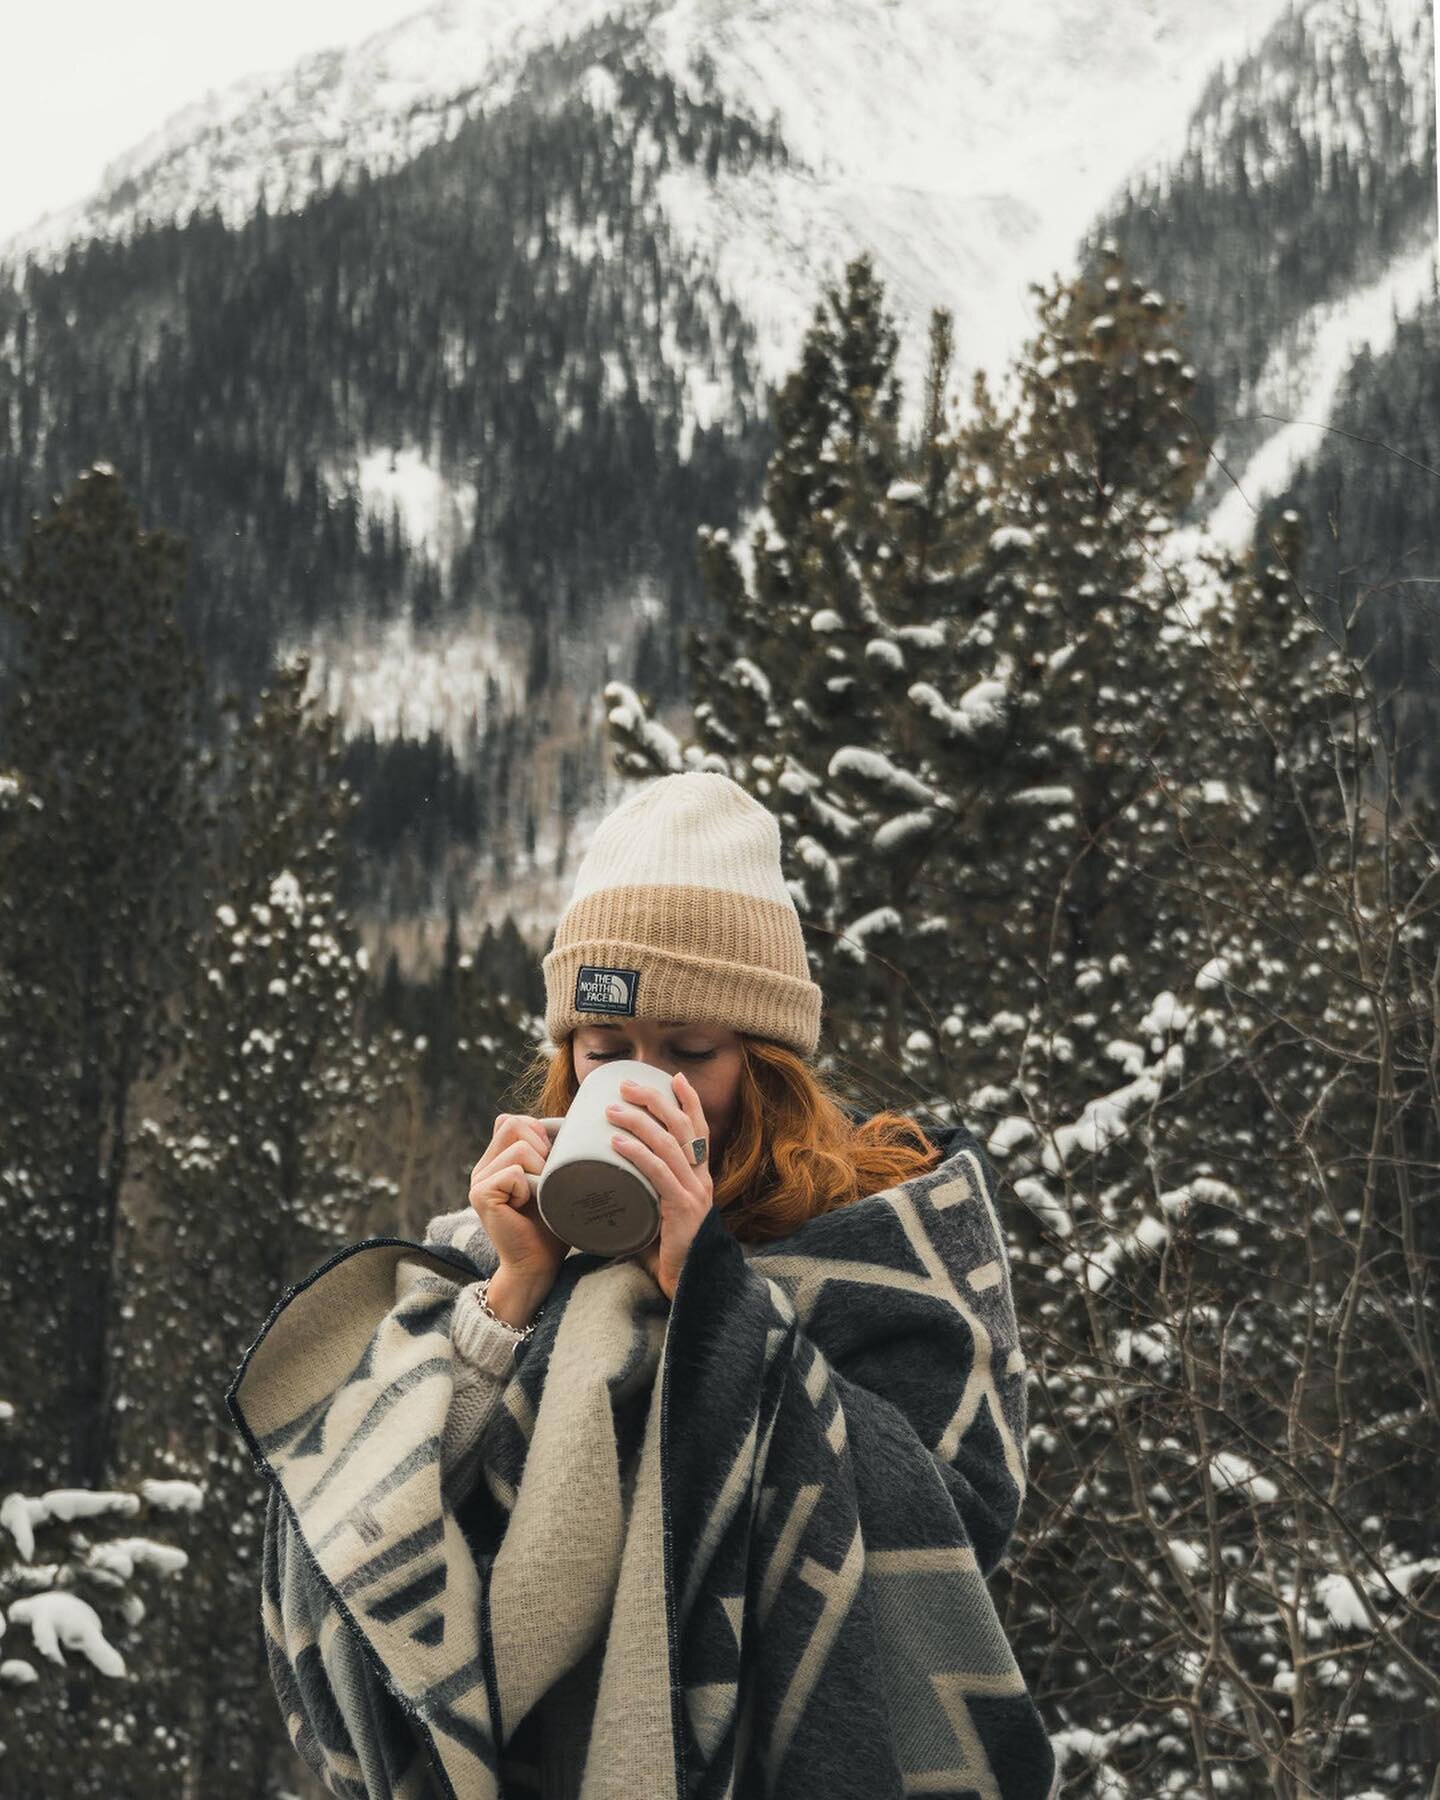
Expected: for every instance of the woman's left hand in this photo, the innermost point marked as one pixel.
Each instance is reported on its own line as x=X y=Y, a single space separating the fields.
x=658 y=1131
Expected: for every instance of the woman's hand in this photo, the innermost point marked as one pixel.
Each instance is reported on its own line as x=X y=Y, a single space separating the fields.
x=501 y=1195
x=658 y=1131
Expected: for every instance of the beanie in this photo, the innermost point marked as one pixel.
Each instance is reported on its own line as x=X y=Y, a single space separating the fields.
x=680 y=911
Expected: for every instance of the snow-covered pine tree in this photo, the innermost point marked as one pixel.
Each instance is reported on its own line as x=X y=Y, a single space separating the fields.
x=99 y=724
x=66 y=1595
x=1225 y=929
x=1279 y=1350
x=1105 y=675
x=861 y=542
x=259 y=1161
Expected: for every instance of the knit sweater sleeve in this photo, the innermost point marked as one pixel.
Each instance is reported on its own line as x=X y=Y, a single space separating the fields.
x=484 y=1357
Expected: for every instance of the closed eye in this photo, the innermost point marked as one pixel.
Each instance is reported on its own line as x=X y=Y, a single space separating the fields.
x=685 y=1055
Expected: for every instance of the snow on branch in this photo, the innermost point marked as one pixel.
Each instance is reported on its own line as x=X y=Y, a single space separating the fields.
x=797 y=780
x=979 y=706
x=627 y=713
x=921 y=637
x=818 y=858
x=58 y=1622
x=46 y=1597
x=20 y=1515
x=852 y=940
x=904 y=828
x=1057 y=795
x=874 y=767
x=750 y=675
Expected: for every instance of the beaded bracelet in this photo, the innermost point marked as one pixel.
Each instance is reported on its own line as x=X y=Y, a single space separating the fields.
x=520 y=1331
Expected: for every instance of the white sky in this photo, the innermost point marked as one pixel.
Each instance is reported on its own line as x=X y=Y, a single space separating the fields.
x=83 y=81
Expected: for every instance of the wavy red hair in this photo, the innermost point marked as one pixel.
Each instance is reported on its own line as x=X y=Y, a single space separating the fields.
x=793 y=1151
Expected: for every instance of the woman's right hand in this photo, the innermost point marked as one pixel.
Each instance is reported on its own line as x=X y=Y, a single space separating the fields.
x=500 y=1193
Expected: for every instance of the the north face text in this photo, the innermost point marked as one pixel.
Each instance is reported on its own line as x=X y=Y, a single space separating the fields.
x=606 y=990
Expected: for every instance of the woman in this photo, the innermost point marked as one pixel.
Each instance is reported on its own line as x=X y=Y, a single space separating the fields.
x=713 y=1519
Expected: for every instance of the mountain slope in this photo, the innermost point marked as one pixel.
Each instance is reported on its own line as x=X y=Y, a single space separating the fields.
x=293 y=133
x=1298 y=222
x=1310 y=165
x=528 y=437
x=483 y=320
x=964 y=145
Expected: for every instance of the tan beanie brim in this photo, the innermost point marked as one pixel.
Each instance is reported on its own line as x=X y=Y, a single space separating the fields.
x=681 y=911
x=691 y=953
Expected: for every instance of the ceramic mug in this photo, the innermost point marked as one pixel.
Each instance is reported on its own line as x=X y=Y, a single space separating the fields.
x=588 y=1193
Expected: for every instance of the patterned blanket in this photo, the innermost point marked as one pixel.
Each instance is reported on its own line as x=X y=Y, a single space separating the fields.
x=775 y=1502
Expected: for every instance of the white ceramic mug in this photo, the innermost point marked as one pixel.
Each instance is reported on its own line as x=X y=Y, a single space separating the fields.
x=589 y=1194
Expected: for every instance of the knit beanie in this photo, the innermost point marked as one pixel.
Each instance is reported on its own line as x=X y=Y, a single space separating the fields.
x=680 y=911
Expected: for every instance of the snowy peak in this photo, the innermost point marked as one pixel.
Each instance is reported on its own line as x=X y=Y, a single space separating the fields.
x=935 y=95
x=1353 y=73
x=293 y=133
x=965 y=147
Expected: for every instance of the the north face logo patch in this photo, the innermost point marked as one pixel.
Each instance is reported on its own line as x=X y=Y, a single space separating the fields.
x=606 y=990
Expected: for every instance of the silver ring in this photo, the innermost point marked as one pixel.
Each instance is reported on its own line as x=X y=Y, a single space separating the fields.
x=697 y=1150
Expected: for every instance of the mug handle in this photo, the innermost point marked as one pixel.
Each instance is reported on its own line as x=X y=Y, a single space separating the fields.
x=551 y=1126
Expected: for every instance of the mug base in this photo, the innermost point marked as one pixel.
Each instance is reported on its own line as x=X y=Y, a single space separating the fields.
x=598 y=1208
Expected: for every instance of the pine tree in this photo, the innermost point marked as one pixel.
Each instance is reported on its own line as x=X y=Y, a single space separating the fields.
x=1112 y=819
x=500 y=1020
x=861 y=544
x=258 y=1166
x=100 y=728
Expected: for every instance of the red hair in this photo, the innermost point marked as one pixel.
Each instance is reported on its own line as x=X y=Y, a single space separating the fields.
x=793 y=1151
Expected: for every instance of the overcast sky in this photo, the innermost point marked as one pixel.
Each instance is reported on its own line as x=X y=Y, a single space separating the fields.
x=82 y=82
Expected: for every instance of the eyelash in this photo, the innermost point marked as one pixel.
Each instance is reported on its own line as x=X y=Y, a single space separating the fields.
x=685 y=1055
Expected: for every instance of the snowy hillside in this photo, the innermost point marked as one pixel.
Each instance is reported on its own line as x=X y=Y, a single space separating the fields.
x=1331 y=119
x=626 y=213
x=291 y=132
x=966 y=145
x=1300 y=383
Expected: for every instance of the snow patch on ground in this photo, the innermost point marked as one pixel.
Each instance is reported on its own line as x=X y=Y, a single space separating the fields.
x=401 y=680
x=436 y=515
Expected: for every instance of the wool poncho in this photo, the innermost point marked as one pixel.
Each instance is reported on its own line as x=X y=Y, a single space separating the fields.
x=764 y=1514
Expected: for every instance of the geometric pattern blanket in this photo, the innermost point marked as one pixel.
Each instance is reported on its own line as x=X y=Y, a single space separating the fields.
x=821 y=1447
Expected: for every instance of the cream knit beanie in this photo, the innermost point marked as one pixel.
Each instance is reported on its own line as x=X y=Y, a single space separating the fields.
x=680 y=911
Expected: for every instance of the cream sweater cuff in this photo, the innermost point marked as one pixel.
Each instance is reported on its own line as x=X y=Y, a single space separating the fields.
x=484 y=1363
x=480 y=1340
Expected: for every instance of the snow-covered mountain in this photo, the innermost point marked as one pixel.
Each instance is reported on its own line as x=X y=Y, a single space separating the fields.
x=292 y=132
x=710 y=165
x=1298 y=385
x=1339 y=91
x=965 y=145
